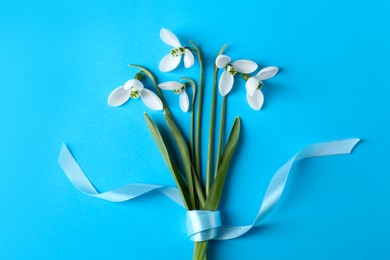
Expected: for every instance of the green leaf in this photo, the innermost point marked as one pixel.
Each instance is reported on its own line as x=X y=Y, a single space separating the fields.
x=171 y=166
x=214 y=196
x=185 y=155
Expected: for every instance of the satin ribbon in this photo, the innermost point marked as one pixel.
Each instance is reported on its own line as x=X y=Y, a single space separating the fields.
x=202 y=224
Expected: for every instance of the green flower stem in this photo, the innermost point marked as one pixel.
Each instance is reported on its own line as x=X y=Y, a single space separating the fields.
x=211 y=131
x=192 y=130
x=199 y=113
x=198 y=188
x=195 y=175
x=212 y=126
x=221 y=134
x=200 y=250
x=192 y=137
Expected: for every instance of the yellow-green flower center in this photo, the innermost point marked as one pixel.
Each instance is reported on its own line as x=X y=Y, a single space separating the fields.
x=134 y=93
x=178 y=90
x=232 y=71
x=175 y=52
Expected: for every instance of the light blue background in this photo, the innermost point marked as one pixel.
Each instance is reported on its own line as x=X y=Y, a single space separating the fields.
x=60 y=60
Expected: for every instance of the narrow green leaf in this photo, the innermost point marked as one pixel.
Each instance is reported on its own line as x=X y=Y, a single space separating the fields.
x=221 y=134
x=171 y=166
x=185 y=155
x=214 y=196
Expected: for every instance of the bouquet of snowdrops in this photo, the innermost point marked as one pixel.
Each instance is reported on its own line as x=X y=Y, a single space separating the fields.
x=200 y=189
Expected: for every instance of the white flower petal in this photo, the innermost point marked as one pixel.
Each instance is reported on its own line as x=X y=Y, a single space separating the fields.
x=256 y=101
x=169 y=38
x=134 y=83
x=225 y=83
x=245 y=66
x=151 y=100
x=118 y=97
x=184 y=101
x=169 y=63
x=222 y=61
x=188 y=58
x=267 y=72
x=251 y=85
x=170 y=85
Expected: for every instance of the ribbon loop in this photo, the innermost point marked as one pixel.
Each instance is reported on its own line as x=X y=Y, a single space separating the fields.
x=202 y=225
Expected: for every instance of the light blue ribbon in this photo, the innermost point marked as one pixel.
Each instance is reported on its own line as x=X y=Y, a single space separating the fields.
x=202 y=224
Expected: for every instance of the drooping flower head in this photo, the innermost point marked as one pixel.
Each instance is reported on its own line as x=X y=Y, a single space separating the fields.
x=179 y=89
x=172 y=60
x=254 y=84
x=134 y=89
x=231 y=69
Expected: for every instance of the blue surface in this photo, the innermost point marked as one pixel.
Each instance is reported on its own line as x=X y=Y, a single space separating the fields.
x=59 y=61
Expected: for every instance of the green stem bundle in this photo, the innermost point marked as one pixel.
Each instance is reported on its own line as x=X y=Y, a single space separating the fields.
x=190 y=181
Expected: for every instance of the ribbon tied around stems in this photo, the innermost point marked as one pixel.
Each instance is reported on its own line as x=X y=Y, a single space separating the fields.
x=202 y=224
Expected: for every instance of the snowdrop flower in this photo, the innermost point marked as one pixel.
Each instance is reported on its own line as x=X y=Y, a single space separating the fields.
x=179 y=89
x=172 y=60
x=134 y=89
x=254 y=84
x=231 y=69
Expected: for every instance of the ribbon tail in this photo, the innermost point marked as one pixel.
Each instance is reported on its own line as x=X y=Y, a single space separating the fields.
x=78 y=178
x=278 y=182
